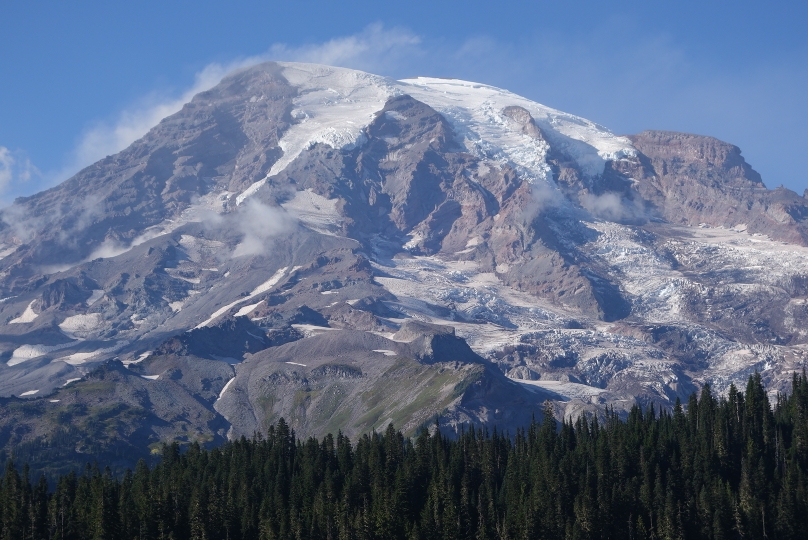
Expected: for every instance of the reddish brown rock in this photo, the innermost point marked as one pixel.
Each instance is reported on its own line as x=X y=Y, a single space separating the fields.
x=692 y=179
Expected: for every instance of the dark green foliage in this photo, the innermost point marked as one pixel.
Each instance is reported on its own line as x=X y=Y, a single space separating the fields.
x=719 y=469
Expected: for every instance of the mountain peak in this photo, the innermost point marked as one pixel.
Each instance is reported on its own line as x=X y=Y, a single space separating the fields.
x=537 y=255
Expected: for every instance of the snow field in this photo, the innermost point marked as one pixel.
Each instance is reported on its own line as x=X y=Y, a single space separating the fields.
x=475 y=111
x=76 y=359
x=28 y=352
x=27 y=316
x=314 y=211
x=264 y=287
x=333 y=107
x=81 y=324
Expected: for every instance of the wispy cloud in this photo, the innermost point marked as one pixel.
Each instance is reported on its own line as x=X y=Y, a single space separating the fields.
x=613 y=207
x=617 y=75
x=6 y=165
x=107 y=138
x=376 y=49
x=15 y=168
x=259 y=223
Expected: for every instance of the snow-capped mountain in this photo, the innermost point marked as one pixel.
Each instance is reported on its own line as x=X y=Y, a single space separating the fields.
x=345 y=250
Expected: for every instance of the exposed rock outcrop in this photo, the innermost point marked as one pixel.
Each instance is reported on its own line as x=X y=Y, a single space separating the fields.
x=692 y=179
x=345 y=250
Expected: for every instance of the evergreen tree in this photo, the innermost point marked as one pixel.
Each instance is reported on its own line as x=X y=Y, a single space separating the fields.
x=719 y=468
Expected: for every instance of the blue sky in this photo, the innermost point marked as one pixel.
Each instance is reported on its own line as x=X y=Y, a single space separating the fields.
x=80 y=80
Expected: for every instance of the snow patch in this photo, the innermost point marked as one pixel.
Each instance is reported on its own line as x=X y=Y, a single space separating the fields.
x=109 y=249
x=95 y=296
x=29 y=393
x=247 y=309
x=475 y=112
x=27 y=316
x=200 y=249
x=81 y=324
x=137 y=360
x=309 y=330
x=567 y=389
x=29 y=352
x=333 y=107
x=314 y=211
x=415 y=239
x=76 y=359
x=264 y=287
x=194 y=281
x=271 y=282
x=385 y=352
x=226 y=386
x=6 y=251
x=296 y=364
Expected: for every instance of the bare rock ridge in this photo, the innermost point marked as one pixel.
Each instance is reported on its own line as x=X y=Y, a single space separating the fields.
x=345 y=250
x=218 y=143
x=695 y=179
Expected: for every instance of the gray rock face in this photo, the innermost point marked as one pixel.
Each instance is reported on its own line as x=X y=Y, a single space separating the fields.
x=345 y=250
x=430 y=343
x=218 y=142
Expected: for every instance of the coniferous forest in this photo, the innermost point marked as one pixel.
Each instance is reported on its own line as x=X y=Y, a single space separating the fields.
x=729 y=467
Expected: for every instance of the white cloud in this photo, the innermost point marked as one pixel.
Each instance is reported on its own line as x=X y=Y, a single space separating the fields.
x=15 y=168
x=613 y=207
x=255 y=222
x=375 y=49
x=543 y=196
x=259 y=222
x=6 y=163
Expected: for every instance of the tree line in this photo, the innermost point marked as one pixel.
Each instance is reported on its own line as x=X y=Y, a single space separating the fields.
x=719 y=468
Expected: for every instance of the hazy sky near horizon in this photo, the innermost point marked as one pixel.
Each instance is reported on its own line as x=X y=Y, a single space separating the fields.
x=82 y=80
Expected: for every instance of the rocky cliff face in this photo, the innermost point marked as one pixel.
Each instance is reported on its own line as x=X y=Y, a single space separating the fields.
x=690 y=180
x=218 y=143
x=346 y=250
